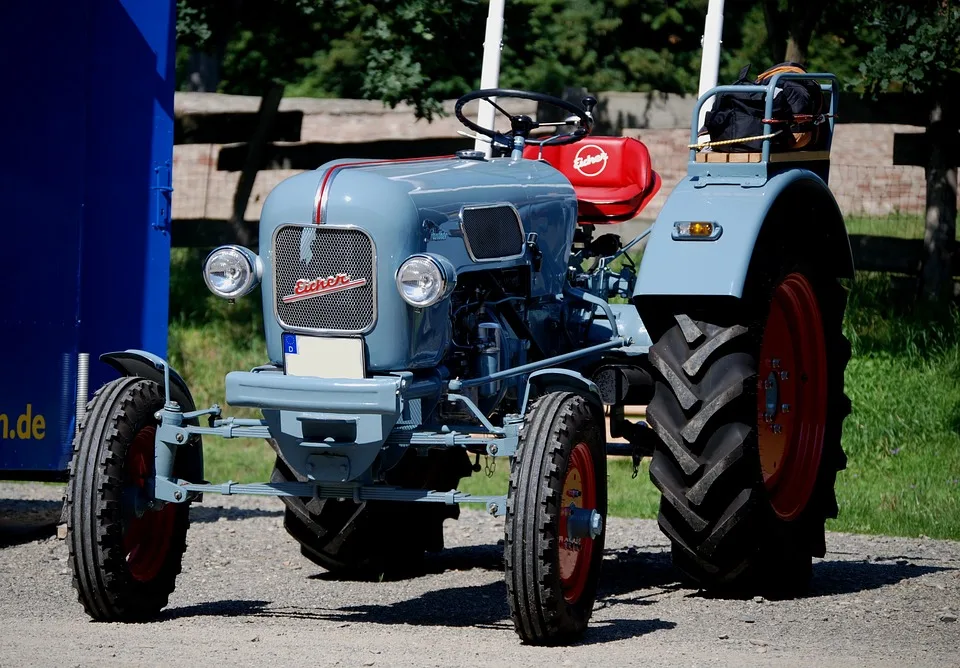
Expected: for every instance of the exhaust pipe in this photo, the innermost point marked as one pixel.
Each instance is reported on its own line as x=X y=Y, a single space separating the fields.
x=83 y=387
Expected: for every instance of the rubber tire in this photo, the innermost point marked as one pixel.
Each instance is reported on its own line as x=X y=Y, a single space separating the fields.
x=105 y=587
x=372 y=539
x=554 y=425
x=714 y=508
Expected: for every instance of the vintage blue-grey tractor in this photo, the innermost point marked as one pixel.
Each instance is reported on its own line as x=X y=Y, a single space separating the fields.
x=422 y=314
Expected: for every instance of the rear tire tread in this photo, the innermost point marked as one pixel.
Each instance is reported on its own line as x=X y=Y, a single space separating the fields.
x=709 y=506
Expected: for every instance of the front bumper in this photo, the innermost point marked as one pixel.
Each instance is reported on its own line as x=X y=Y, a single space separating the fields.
x=276 y=391
x=329 y=430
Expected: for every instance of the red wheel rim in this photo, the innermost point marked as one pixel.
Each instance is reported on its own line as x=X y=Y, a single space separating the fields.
x=579 y=490
x=146 y=539
x=792 y=396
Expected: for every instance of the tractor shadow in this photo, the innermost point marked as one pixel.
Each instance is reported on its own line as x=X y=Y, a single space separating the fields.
x=479 y=606
x=633 y=577
x=624 y=570
x=22 y=521
x=203 y=514
x=482 y=606
x=26 y=520
x=466 y=558
x=836 y=578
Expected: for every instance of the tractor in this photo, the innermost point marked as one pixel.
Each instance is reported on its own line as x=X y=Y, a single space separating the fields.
x=421 y=314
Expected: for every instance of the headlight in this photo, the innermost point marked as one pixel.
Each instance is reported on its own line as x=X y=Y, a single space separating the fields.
x=231 y=271
x=423 y=280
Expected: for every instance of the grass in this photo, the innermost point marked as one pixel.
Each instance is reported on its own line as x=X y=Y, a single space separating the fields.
x=627 y=497
x=902 y=440
x=894 y=225
x=208 y=338
x=903 y=227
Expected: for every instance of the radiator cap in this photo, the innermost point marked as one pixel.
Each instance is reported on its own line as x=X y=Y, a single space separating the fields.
x=471 y=154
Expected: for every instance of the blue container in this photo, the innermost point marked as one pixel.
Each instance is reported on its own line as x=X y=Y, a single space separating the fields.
x=84 y=208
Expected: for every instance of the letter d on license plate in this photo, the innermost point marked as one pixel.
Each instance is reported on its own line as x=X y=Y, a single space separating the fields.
x=323 y=357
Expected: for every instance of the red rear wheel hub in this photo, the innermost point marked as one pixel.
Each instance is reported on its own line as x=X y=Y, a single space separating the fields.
x=579 y=491
x=146 y=539
x=792 y=396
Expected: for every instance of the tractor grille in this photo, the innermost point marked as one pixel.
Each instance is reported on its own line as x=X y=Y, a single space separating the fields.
x=344 y=297
x=492 y=232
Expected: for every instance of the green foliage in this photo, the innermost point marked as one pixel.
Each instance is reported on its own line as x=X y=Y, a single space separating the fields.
x=258 y=48
x=416 y=51
x=837 y=45
x=424 y=51
x=918 y=45
x=192 y=25
x=394 y=50
x=602 y=45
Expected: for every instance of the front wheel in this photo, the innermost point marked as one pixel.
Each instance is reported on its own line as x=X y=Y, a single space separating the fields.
x=125 y=557
x=556 y=506
x=749 y=405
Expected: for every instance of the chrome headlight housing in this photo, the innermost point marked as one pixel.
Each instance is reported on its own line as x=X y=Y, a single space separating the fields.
x=425 y=279
x=232 y=271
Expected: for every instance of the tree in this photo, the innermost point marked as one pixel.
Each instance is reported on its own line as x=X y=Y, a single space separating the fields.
x=272 y=42
x=919 y=51
x=399 y=51
x=420 y=51
x=601 y=45
x=790 y=26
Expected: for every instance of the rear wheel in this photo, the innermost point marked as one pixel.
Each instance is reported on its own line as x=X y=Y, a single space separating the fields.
x=370 y=538
x=555 y=509
x=125 y=558
x=749 y=407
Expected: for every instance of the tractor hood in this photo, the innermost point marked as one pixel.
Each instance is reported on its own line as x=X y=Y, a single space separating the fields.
x=416 y=206
x=476 y=213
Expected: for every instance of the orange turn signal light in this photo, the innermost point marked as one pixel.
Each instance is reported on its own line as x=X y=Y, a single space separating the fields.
x=697 y=230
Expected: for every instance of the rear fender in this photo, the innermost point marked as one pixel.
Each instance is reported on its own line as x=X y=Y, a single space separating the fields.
x=554 y=380
x=796 y=197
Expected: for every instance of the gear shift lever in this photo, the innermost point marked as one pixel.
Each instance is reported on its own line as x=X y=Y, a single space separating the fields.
x=588 y=103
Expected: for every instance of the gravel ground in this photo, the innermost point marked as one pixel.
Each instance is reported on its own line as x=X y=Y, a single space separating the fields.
x=247 y=597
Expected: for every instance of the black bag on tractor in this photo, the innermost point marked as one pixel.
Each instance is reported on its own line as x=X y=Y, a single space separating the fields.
x=797 y=113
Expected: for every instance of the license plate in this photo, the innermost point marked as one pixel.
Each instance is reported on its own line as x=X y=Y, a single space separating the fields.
x=323 y=357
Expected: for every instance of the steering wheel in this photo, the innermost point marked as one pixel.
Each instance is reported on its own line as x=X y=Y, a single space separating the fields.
x=521 y=125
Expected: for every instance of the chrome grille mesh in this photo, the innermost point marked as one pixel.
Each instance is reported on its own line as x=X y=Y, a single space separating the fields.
x=307 y=253
x=492 y=232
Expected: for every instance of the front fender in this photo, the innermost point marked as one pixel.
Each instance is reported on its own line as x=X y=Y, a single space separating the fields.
x=550 y=380
x=146 y=365
x=719 y=268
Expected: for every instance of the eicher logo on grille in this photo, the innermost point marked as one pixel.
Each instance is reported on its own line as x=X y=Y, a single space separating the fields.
x=322 y=286
x=590 y=160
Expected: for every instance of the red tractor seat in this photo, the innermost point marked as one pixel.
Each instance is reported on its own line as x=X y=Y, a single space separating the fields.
x=612 y=176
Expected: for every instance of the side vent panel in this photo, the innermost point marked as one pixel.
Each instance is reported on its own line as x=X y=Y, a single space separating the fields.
x=492 y=232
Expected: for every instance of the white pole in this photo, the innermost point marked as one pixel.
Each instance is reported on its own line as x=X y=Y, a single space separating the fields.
x=710 y=60
x=490 y=71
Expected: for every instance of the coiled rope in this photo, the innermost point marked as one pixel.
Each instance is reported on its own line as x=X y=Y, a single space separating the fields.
x=738 y=140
